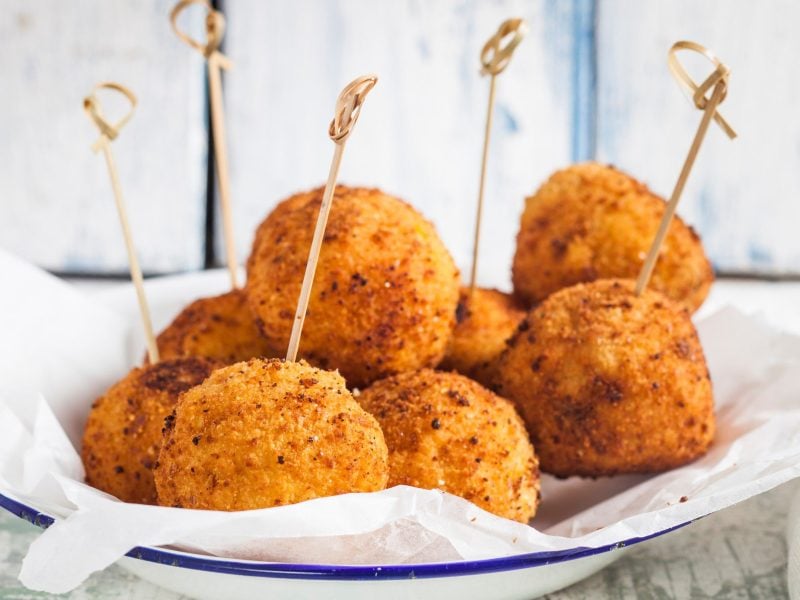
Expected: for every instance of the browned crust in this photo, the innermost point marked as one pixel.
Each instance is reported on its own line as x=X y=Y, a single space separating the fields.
x=122 y=436
x=266 y=433
x=446 y=431
x=220 y=327
x=591 y=221
x=609 y=382
x=485 y=320
x=385 y=291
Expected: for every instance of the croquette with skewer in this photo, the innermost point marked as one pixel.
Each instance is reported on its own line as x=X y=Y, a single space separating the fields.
x=385 y=293
x=609 y=382
x=591 y=221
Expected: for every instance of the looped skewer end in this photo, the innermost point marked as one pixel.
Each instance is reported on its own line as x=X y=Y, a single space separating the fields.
x=91 y=106
x=215 y=31
x=348 y=107
x=495 y=56
x=698 y=93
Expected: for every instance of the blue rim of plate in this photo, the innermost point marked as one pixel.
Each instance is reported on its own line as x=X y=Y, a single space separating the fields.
x=342 y=572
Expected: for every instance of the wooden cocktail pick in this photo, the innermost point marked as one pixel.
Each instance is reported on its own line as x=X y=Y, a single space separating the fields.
x=717 y=82
x=495 y=56
x=108 y=132
x=348 y=107
x=215 y=29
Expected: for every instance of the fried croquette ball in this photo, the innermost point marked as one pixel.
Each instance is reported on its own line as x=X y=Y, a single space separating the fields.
x=444 y=431
x=220 y=327
x=609 y=382
x=265 y=433
x=123 y=434
x=385 y=291
x=485 y=320
x=589 y=222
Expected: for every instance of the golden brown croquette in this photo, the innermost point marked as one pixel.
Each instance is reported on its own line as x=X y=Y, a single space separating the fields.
x=220 y=327
x=485 y=320
x=122 y=436
x=609 y=382
x=446 y=432
x=385 y=291
x=589 y=222
x=266 y=433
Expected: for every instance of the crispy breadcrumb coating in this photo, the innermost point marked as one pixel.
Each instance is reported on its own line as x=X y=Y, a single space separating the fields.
x=609 y=382
x=446 y=432
x=220 y=327
x=122 y=436
x=385 y=291
x=265 y=433
x=485 y=320
x=589 y=222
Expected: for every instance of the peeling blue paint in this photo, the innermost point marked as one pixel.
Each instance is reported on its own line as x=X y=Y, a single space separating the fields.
x=570 y=34
x=557 y=34
x=468 y=63
x=423 y=48
x=706 y=213
x=759 y=255
x=584 y=80
x=506 y=119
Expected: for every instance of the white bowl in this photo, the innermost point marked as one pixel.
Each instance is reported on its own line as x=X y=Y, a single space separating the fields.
x=521 y=577
x=203 y=576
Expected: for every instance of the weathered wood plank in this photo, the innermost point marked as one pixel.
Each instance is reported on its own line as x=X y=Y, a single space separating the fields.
x=420 y=137
x=420 y=133
x=739 y=552
x=742 y=195
x=57 y=206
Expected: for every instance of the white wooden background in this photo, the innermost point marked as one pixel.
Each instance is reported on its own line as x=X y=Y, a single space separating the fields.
x=744 y=196
x=56 y=203
x=589 y=81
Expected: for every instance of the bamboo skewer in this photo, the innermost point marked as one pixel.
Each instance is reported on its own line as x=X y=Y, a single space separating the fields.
x=215 y=60
x=494 y=59
x=348 y=108
x=109 y=132
x=718 y=83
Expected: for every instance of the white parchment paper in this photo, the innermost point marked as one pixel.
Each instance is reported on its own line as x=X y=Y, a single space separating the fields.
x=61 y=350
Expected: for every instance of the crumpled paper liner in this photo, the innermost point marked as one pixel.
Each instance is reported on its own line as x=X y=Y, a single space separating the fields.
x=61 y=350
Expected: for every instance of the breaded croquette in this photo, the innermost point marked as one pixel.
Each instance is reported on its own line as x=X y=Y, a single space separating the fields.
x=446 y=432
x=485 y=320
x=609 y=382
x=220 y=327
x=385 y=291
x=266 y=433
x=122 y=436
x=589 y=222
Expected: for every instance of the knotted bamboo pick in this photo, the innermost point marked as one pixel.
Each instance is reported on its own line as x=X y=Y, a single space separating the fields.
x=718 y=83
x=348 y=108
x=494 y=59
x=215 y=29
x=109 y=132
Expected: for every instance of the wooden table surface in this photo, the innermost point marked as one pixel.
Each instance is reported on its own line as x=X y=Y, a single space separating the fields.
x=736 y=553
